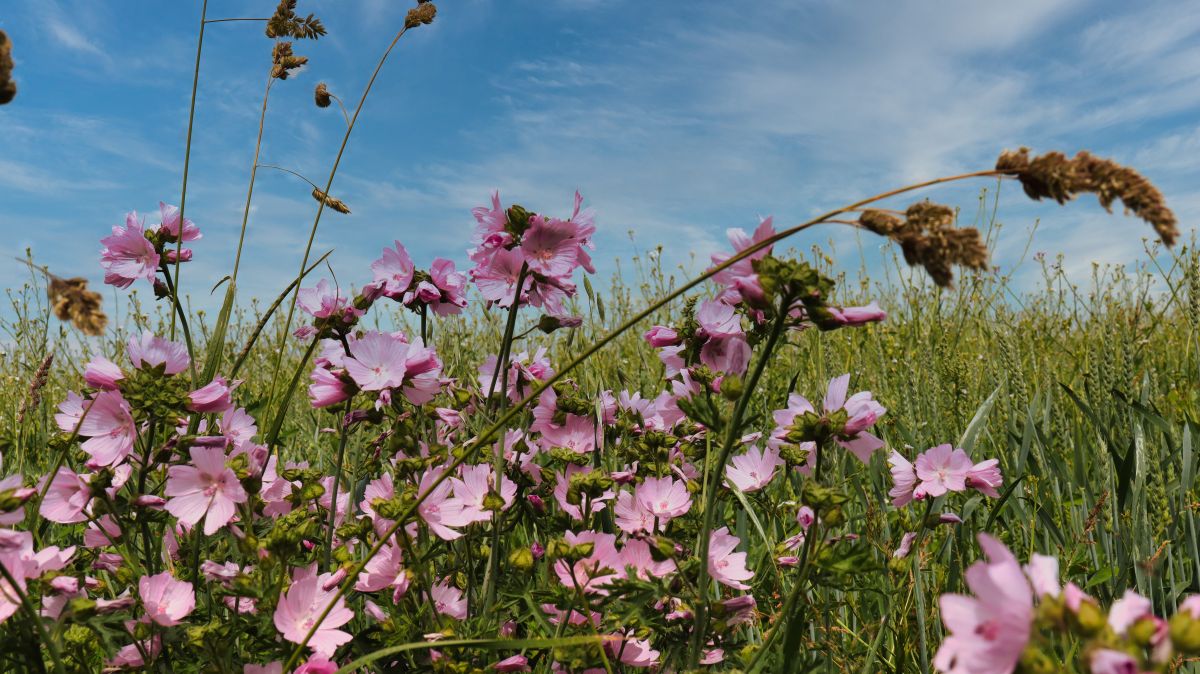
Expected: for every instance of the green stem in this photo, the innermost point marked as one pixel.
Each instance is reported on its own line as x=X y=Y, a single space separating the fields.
x=187 y=160
x=337 y=479
x=717 y=472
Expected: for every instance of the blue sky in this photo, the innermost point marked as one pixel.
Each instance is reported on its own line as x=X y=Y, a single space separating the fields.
x=676 y=121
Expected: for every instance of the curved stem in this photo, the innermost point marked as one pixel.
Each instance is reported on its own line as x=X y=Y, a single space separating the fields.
x=470 y=450
x=262 y=118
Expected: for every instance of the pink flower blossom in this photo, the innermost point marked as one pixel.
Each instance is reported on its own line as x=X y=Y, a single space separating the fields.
x=753 y=470
x=862 y=411
x=472 y=488
x=942 y=469
x=238 y=427
x=102 y=373
x=497 y=279
x=726 y=354
x=385 y=570
x=275 y=667
x=448 y=600
x=906 y=543
x=660 y=336
x=213 y=397
x=300 y=609
x=739 y=279
x=327 y=388
x=451 y=286
x=1109 y=661
x=632 y=651
x=904 y=479
x=393 y=271
x=167 y=601
x=170 y=224
x=378 y=361
x=857 y=316
x=663 y=497
x=109 y=429
x=324 y=300
x=67 y=498
x=724 y=565
x=490 y=232
x=988 y=631
x=515 y=663
x=718 y=319
x=592 y=573
x=207 y=490
x=550 y=246
x=150 y=351
x=985 y=477
x=1042 y=572
x=1127 y=610
x=562 y=482
x=439 y=510
x=631 y=516
x=128 y=255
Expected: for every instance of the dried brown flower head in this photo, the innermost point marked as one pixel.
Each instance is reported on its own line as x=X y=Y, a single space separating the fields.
x=286 y=23
x=332 y=202
x=8 y=88
x=34 y=396
x=72 y=301
x=1054 y=176
x=285 y=61
x=421 y=14
x=928 y=238
x=321 y=96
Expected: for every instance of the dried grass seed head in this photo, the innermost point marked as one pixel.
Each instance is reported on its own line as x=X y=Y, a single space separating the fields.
x=332 y=202
x=72 y=301
x=423 y=13
x=8 y=88
x=321 y=95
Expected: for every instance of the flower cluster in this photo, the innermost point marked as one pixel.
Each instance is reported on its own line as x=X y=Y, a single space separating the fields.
x=135 y=252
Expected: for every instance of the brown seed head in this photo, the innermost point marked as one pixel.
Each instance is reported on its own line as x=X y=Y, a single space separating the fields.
x=421 y=14
x=332 y=202
x=34 y=395
x=321 y=96
x=8 y=88
x=927 y=237
x=1054 y=176
x=72 y=301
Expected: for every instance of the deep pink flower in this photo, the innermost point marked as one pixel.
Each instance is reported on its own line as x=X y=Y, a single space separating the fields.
x=170 y=224
x=167 y=601
x=730 y=355
x=213 y=397
x=942 y=469
x=207 y=490
x=988 y=631
x=753 y=470
x=422 y=373
x=515 y=663
x=67 y=498
x=102 y=373
x=149 y=351
x=490 y=233
x=301 y=607
x=660 y=336
x=862 y=411
x=724 y=565
x=393 y=271
x=109 y=429
x=128 y=255
x=857 y=316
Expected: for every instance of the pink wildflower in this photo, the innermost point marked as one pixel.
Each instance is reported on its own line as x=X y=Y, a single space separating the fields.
x=213 y=397
x=451 y=286
x=663 y=497
x=718 y=319
x=739 y=279
x=170 y=224
x=378 y=361
x=985 y=477
x=393 y=271
x=324 y=300
x=449 y=601
x=660 y=336
x=753 y=470
x=439 y=510
x=497 y=279
x=904 y=478
x=207 y=490
x=167 y=601
x=942 y=469
x=724 y=565
x=109 y=429
x=67 y=498
x=128 y=255
x=327 y=388
x=857 y=316
x=300 y=609
x=102 y=373
x=150 y=351
x=989 y=631
x=550 y=246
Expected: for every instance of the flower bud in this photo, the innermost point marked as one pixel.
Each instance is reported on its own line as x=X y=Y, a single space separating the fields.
x=521 y=559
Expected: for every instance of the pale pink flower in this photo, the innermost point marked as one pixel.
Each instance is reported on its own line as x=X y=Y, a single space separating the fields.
x=490 y=233
x=20 y=494
x=378 y=361
x=422 y=373
x=300 y=609
x=592 y=573
x=167 y=601
x=664 y=497
x=275 y=667
x=213 y=397
x=862 y=412
x=942 y=469
x=904 y=479
x=19 y=568
x=170 y=224
x=726 y=354
x=109 y=429
x=1109 y=661
x=753 y=470
x=150 y=351
x=636 y=554
x=67 y=498
x=1127 y=610
x=448 y=600
x=718 y=319
x=660 y=336
x=385 y=570
x=988 y=631
x=324 y=300
x=451 y=286
x=439 y=510
x=562 y=482
x=857 y=316
x=739 y=279
x=1042 y=571
x=631 y=516
x=238 y=427
x=550 y=246
x=473 y=486
x=906 y=543
x=497 y=278
x=70 y=412
x=128 y=255
x=724 y=565
x=577 y=433
x=102 y=373
x=632 y=651
x=207 y=490
x=985 y=477
x=393 y=271
x=327 y=388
